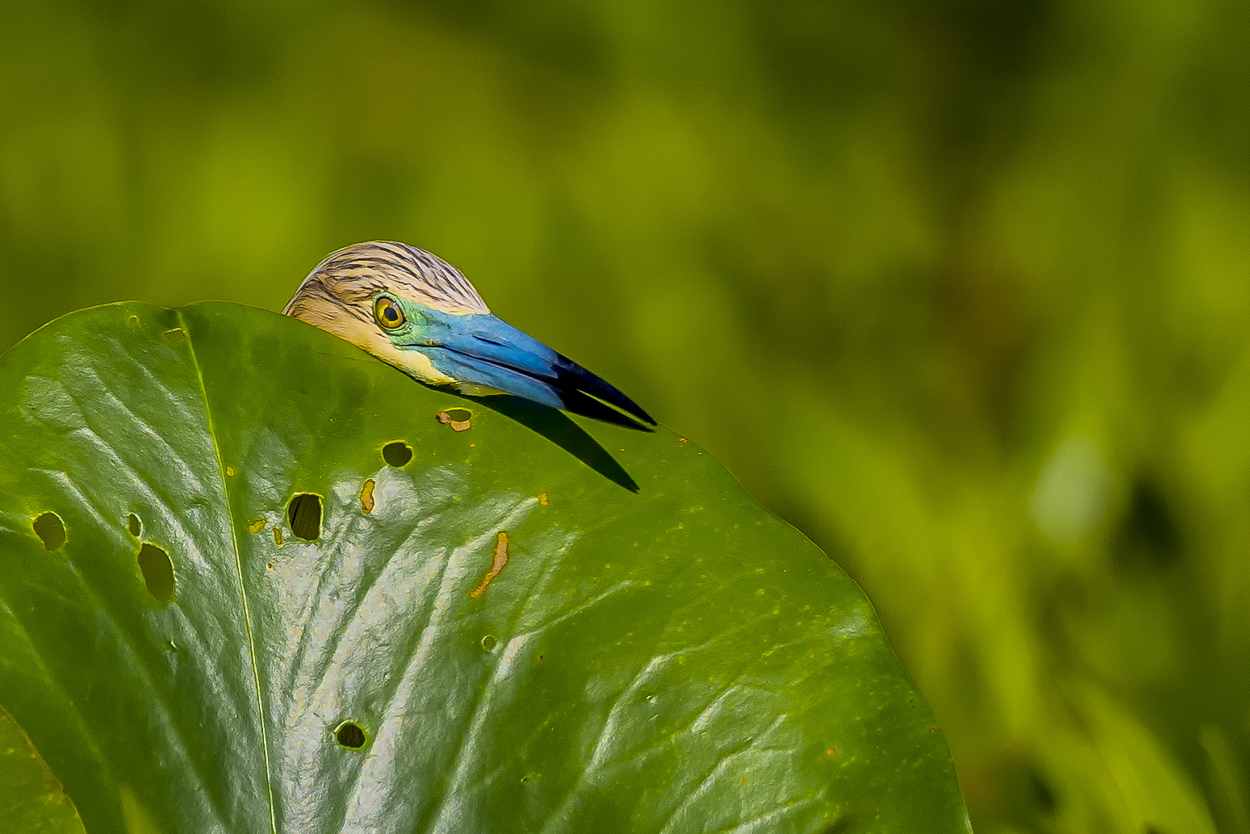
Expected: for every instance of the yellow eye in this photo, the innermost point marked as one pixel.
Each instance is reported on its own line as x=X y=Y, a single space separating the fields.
x=388 y=314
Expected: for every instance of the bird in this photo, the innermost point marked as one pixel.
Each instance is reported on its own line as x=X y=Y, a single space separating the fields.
x=413 y=310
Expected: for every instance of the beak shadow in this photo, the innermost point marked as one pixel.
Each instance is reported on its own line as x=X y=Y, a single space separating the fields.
x=556 y=426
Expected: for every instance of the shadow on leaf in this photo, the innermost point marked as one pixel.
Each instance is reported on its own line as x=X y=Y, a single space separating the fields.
x=557 y=427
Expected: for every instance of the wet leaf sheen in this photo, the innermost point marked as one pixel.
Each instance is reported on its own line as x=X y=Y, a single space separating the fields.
x=495 y=635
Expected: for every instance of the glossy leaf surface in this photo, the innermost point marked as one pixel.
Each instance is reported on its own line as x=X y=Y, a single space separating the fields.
x=31 y=799
x=255 y=622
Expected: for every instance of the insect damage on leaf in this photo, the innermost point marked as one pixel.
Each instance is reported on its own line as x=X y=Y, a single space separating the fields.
x=498 y=562
x=304 y=514
x=51 y=531
x=397 y=454
x=158 y=572
x=458 y=418
x=351 y=735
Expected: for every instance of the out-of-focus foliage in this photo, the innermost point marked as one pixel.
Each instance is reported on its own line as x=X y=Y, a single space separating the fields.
x=960 y=289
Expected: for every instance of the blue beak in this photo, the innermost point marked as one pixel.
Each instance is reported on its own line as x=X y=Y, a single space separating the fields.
x=486 y=350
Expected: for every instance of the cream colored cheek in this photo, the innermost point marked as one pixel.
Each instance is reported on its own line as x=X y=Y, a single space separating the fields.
x=410 y=362
x=371 y=340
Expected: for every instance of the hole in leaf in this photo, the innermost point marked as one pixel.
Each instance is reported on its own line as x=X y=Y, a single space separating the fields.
x=489 y=642
x=457 y=418
x=133 y=525
x=49 y=528
x=350 y=735
x=174 y=336
x=367 y=501
x=397 y=453
x=158 y=572
x=304 y=513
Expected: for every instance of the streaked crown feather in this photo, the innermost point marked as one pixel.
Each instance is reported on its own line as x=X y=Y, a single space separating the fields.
x=347 y=279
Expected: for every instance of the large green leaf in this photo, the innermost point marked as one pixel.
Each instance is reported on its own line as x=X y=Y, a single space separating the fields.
x=658 y=654
x=31 y=800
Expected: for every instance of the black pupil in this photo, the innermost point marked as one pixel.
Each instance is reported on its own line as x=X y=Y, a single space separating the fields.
x=389 y=313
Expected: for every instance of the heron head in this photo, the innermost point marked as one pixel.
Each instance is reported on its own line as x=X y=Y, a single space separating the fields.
x=417 y=312
x=386 y=298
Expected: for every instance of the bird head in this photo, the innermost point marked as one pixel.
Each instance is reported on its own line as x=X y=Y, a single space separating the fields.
x=417 y=312
x=387 y=298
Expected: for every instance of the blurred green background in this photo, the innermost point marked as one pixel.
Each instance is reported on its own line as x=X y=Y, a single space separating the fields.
x=960 y=289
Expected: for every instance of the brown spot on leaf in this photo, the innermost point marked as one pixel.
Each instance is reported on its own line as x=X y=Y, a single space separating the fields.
x=458 y=418
x=277 y=536
x=367 y=502
x=500 y=559
x=229 y=471
x=256 y=526
x=543 y=499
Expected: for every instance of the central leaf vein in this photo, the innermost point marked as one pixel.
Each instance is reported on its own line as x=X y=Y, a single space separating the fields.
x=238 y=562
